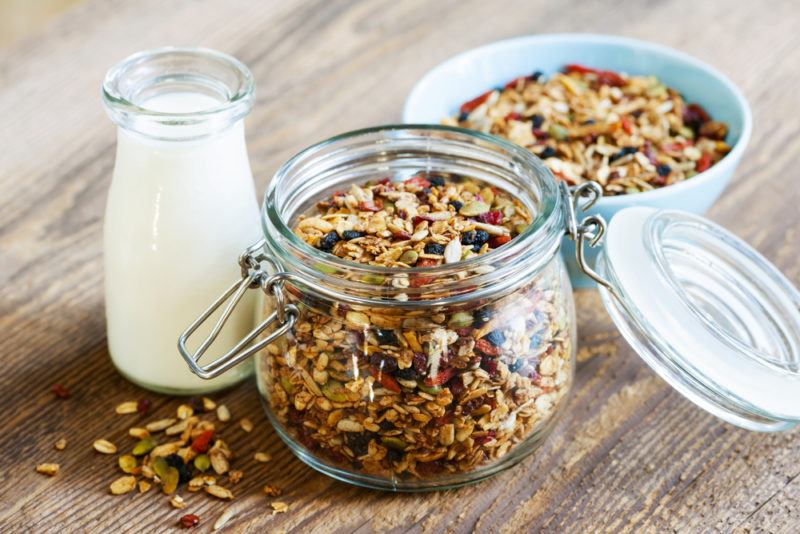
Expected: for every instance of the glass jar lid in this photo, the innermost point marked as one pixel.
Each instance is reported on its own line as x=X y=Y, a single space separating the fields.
x=708 y=313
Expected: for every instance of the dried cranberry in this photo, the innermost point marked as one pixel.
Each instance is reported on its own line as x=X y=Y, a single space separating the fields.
x=60 y=391
x=464 y=332
x=471 y=405
x=444 y=419
x=143 y=406
x=420 y=362
x=196 y=404
x=456 y=386
x=491 y=217
x=440 y=378
x=489 y=365
x=189 y=521
x=490 y=434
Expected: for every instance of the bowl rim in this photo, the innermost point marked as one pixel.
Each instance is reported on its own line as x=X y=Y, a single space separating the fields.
x=730 y=159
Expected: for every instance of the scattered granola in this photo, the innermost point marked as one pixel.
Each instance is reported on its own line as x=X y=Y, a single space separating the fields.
x=420 y=393
x=47 y=469
x=127 y=407
x=104 y=446
x=246 y=424
x=123 y=485
x=628 y=133
x=189 y=521
x=262 y=457
x=279 y=507
x=177 y=502
x=223 y=519
x=235 y=476
x=271 y=491
x=61 y=444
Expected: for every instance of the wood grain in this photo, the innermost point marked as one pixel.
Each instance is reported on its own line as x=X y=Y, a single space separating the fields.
x=629 y=455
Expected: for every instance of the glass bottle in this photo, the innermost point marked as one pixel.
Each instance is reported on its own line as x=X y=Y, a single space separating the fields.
x=181 y=201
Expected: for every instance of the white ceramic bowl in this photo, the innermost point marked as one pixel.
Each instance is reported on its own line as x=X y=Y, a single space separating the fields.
x=443 y=89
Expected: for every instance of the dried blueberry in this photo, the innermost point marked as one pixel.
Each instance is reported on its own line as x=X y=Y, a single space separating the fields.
x=537 y=120
x=548 y=152
x=385 y=337
x=624 y=151
x=437 y=181
x=536 y=75
x=352 y=234
x=663 y=169
x=406 y=374
x=386 y=425
x=516 y=365
x=383 y=363
x=588 y=121
x=327 y=241
x=468 y=238
x=481 y=237
x=358 y=442
x=463 y=116
x=434 y=248
x=184 y=472
x=481 y=316
x=495 y=337
x=456 y=204
x=394 y=455
x=535 y=342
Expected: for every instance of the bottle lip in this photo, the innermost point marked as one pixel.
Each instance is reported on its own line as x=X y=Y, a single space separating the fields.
x=177 y=69
x=491 y=274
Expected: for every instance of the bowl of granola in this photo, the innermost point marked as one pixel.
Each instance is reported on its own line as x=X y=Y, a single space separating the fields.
x=653 y=126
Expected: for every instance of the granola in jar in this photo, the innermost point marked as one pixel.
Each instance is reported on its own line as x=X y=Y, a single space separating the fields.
x=426 y=393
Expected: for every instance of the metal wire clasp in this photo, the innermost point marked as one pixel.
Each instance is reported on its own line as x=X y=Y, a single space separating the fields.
x=591 y=228
x=253 y=276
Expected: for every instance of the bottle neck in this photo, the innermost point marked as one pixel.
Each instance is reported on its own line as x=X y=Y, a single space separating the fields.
x=178 y=94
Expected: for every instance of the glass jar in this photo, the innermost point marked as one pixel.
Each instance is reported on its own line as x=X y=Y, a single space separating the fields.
x=433 y=377
x=182 y=201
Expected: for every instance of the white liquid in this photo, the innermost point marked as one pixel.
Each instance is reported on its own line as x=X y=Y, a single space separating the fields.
x=179 y=213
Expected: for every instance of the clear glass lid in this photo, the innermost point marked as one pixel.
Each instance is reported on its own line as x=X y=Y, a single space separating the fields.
x=708 y=313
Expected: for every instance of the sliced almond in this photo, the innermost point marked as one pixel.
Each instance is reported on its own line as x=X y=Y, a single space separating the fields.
x=166 y=449
x=104 y=446
x=47 y=469
x=123 y=485
x=127 y=407
x=219 y=461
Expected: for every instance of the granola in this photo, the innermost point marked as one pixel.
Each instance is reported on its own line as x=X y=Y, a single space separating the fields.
x=429 y=392
x=628 y=133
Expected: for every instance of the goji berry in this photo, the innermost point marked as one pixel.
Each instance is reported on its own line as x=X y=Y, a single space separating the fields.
x=201 y=443
x=487 y=348
x=442 y=377
x=143 y=406
x=703 y=163
x=513 y=83
x=627 y=125
x=385 y=380
x=513 y=116
x=498 y=240
x=469 y=106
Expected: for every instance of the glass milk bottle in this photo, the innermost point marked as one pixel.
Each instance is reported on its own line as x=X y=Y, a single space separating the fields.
x=181 y=202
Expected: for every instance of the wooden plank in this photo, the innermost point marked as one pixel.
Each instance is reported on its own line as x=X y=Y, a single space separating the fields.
x=629 y=455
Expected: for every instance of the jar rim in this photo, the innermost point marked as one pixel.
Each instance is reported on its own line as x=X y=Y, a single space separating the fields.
x=536 y=244
x=202 y=69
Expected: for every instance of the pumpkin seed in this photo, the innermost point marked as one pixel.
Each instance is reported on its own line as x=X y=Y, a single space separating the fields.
x=143 y=446
x=127 y=463
x=123 y=485
x=460 y=320
x=409 y=257
x=169 y=482
x=395 y=443
x=202 y=462
x=334 y=391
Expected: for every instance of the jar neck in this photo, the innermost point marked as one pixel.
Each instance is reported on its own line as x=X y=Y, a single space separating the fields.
x=397 y=151
x=178 y=94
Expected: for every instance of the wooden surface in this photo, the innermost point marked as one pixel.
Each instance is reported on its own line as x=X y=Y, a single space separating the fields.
x=630 y=453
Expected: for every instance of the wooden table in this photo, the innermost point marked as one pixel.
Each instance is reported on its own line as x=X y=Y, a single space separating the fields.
x=629 y=455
